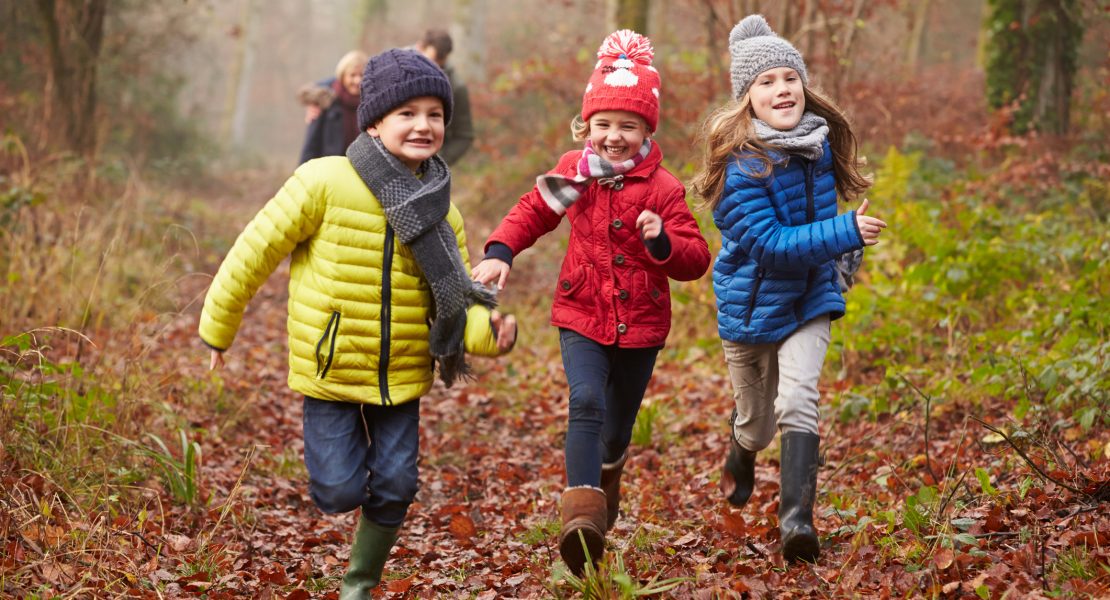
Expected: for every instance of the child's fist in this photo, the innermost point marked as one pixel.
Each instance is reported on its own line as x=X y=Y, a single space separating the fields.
x=649 y=224
x=216 y=361
x=869 y=227
x=505 y=326
x=489 y=270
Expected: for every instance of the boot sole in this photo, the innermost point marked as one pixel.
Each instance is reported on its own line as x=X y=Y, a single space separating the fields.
x=570 y=548
x=801 y=548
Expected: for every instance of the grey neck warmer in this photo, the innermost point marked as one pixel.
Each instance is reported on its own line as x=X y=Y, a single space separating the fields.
x=417 y=209
x=806 y=139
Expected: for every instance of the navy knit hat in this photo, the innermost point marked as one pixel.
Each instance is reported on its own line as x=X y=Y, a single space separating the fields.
x=396 y=76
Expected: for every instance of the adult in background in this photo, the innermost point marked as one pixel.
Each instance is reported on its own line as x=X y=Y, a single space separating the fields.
x=335 y=125
x=435 y=44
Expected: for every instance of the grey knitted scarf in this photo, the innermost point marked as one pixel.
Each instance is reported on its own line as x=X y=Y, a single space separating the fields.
x=417 y=208
x=805 y=139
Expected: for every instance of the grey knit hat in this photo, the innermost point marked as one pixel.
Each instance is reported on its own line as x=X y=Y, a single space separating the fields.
x=395 y=76
x=755 y=48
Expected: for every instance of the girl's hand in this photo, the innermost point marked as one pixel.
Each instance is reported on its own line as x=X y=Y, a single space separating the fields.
x=506 y=330
x=649 y=224
x=217 y=361
x=489 y=270
x=869 y=227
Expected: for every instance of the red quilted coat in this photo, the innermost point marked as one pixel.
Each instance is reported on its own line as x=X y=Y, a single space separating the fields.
x=610 y=288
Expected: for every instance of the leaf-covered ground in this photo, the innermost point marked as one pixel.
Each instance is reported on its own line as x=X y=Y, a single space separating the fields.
x=486 y=515
x=924 y=501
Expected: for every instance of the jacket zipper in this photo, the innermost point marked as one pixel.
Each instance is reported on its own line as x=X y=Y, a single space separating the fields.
x=330 y=332
x=811 y=214
x=759 y=274
x=811 y=209
x=387 y=271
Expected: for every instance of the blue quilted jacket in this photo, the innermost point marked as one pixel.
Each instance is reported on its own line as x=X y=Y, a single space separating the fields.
x=780 y=236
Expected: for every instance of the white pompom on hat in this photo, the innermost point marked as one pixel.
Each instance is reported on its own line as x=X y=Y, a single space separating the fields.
x=624 y=79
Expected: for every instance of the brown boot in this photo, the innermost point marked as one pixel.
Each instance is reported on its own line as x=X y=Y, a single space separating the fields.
x=584 y=514
x=611 y=485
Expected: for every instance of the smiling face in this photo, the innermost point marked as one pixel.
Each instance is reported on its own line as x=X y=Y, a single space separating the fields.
x=617 y=135
x=413 y=131
x=352 y=79
x=778 y=98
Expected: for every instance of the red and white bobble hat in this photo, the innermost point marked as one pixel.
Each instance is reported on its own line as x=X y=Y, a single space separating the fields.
x=624 y=78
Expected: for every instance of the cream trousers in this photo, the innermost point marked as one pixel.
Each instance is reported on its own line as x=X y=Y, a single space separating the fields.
x=775 y=385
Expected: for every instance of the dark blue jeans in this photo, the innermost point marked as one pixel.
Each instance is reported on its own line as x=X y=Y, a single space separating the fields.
x=362 y=455
x=607 y=384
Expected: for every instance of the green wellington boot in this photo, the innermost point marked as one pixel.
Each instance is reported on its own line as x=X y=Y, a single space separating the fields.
x=368 y=554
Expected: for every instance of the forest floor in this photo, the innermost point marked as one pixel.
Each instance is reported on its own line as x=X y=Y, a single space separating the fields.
x=924 y=501
x=485 y=519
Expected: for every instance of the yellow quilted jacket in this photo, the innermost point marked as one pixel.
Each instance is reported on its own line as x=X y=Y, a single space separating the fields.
x=358 y=302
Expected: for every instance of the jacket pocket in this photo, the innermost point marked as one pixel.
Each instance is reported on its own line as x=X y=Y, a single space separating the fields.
x=759 y=275
x=325 y=347
x=652 y=299
x=574 y=290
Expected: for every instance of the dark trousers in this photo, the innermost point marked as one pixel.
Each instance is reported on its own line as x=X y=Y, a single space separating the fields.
x=607 y=385
x=362 y=455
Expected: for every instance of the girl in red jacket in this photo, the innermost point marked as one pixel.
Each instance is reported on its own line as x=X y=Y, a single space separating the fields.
x=630 y=230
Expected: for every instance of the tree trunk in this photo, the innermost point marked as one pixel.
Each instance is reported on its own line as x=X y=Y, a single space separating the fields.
x=1032 y=58
x=917 y=34
x=233 y=99
x=74 y=34
x=629 y=14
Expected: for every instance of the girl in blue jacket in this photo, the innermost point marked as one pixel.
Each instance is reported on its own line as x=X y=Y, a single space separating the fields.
x=776 y=158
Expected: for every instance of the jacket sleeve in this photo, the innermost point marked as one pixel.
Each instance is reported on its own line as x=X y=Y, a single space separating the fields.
x=689 y=257
x=531 y=217
x=289 y=218
x=460 y=133
x=746 y=216
x=478 y=338
x=313 y=139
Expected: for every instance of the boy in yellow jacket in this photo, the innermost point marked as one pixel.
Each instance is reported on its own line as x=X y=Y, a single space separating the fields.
x=379 y=293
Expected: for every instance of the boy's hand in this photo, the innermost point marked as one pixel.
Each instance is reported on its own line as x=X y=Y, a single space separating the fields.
x=489 y=270
x=649 y=224
x=217 y=361
x=505 y=326
x=310 y=113
x=869 y=227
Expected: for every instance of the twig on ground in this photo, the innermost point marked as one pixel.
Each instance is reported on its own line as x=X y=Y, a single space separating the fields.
x=1028 y=460
x=928 y=416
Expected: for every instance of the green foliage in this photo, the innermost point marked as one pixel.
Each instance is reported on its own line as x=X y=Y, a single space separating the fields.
x=609 y=580
x=645 y=424
x=981 y=291
x=540 y=533
x=179 y=475
x=985 y=481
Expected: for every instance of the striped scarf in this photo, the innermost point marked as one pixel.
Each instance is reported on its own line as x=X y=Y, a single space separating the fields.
x=560 y=191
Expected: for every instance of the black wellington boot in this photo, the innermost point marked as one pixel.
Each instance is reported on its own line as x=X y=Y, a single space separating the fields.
x=738 y=474
x=799 y=491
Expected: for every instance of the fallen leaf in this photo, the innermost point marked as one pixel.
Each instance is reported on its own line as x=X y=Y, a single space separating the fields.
x=178 y=543
x=462 y=527
x=943 y=558
x=400 y=586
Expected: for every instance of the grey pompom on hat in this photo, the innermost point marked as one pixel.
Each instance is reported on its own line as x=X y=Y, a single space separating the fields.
x=396 y=76
x=755 y=48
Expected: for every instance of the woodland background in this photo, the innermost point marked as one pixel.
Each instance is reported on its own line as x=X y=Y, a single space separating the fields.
x=966 y=430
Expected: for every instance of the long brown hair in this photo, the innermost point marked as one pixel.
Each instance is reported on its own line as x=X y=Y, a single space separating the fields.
x=728 y=134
